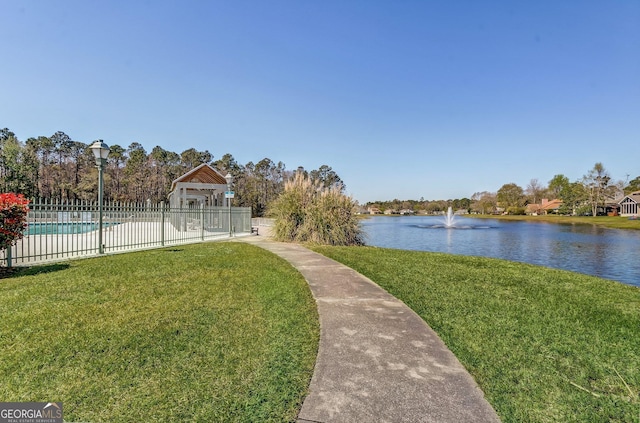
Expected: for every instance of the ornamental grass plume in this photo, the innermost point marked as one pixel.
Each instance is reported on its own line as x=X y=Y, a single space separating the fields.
x=308 y=212
x=13 y=217
x=288 y=209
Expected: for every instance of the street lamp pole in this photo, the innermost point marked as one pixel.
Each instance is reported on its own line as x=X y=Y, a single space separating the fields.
x=100 y=151
x=229 y=195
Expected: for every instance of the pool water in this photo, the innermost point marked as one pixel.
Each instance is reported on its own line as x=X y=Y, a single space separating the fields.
x=62 y=228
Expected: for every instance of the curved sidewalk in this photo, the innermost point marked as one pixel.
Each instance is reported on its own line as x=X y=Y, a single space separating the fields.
x=378 y=361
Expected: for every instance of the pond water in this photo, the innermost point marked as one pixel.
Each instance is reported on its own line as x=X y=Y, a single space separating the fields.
x=607 y=253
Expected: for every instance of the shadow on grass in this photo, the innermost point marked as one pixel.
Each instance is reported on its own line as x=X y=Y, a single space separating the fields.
x=12 y=272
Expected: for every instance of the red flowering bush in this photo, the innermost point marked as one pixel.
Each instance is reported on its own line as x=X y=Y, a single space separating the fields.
x=13 y=218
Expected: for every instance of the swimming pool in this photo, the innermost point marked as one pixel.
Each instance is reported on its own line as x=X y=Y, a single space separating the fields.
x=63 y=228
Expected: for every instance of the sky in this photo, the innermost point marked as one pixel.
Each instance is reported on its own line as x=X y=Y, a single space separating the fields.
x=403 y=99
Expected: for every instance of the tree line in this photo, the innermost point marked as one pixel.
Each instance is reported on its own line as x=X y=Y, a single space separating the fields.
x=59 y=168
x=587 y=195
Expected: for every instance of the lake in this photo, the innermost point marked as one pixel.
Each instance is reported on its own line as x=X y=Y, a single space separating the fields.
x=607 y=253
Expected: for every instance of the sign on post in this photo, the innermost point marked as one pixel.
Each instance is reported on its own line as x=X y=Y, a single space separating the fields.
x=228 y=194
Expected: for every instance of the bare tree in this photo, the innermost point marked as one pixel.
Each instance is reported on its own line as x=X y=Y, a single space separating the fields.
x=483 y=202
x=535 y=190
x=596 y=183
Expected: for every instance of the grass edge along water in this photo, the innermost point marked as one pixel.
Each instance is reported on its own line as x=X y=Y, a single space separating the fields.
x=544 y=345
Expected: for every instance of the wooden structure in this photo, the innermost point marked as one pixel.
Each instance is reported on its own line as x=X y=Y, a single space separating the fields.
x=199 y=193
x=202 y=186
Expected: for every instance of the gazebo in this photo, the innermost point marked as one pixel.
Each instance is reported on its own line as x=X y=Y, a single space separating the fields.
x=199 y=189
x=202 y=186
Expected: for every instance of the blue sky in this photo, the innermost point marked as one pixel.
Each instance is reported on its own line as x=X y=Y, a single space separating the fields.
x=403 y=99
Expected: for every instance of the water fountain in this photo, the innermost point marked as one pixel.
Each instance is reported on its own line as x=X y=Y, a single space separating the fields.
x=449 y=222
x=448 y=218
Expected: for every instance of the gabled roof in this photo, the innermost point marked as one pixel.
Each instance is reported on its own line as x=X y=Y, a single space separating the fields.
x=552 y=205
x=546 y=205
x=204 y=174
x=533 y=207
x=634 y=196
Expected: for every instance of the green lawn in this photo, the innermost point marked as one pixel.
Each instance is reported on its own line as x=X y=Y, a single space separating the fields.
x=544 y=345
x=229 y=332
x=207 y=332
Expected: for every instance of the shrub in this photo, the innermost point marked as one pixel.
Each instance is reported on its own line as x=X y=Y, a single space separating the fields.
x=13 y=216
x=516 y=211
x=308 y=212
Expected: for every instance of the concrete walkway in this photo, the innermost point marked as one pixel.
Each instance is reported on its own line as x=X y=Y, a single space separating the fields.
x=378 y=361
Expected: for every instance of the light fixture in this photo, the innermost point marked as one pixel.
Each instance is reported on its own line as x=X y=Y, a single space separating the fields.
x=100 y=151
x=229 y=196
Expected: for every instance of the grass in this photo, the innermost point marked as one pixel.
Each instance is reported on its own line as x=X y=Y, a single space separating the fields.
x=208 y=332
x=544 y=345
x=613 y=222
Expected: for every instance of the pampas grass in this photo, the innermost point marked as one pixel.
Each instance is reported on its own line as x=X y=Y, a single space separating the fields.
x=308 y=212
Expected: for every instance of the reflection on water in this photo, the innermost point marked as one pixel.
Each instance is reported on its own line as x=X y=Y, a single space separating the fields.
x=607 y=253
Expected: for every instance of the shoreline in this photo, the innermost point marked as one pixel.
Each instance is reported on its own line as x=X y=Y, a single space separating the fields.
x=611 y=222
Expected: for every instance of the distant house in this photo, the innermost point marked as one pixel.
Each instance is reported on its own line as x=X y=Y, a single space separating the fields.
x=534 y=209
x=407 y=212
x=612 y=209
x=374 y=210
x=551 y=206
x=629 y=204
x=546 y=207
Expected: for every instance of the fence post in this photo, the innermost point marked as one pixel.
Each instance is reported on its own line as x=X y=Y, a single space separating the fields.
x=162 y=223
x=202 y=222
x=9 y=256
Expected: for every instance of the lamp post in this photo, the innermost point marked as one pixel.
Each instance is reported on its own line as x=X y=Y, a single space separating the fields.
x=100 y=151
x=229 y=196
